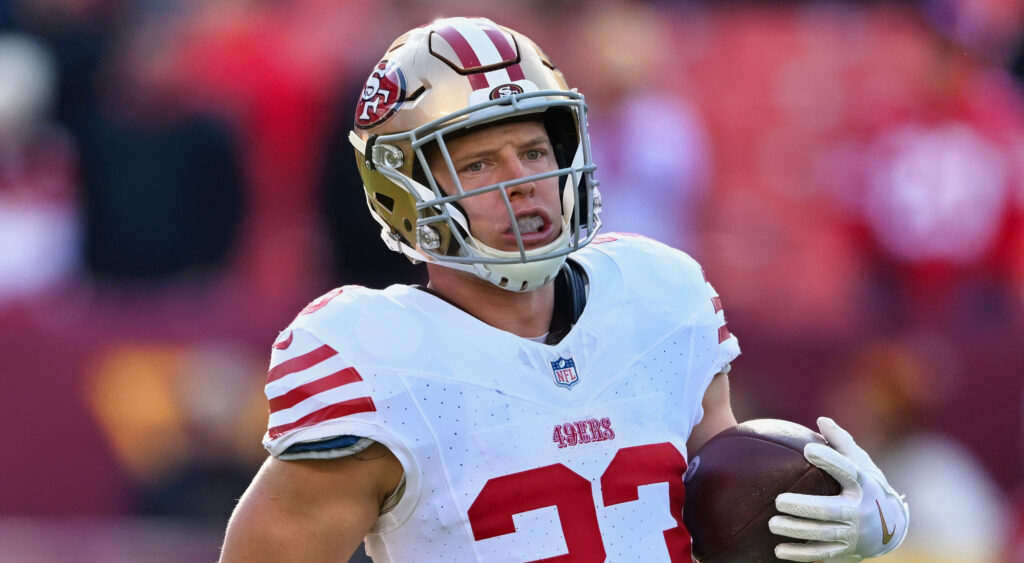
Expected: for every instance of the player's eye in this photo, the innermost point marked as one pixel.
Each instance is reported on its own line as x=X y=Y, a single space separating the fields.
x=473 y=167
x=534 y=154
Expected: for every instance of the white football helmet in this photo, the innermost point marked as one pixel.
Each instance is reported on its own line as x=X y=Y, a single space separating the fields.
x=439 y=80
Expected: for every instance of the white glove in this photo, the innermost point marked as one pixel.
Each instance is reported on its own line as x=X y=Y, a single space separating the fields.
x=868 y=518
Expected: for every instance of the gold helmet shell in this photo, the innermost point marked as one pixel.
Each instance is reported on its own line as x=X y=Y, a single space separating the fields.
x=442 y=79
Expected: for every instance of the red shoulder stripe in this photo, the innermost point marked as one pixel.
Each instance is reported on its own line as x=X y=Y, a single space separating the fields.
x=303 y=392
x=337 y=410
x=299 y=363
x=723 y=334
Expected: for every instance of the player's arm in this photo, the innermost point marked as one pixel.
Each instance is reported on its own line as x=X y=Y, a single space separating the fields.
x=718 y=413
x=311 y=510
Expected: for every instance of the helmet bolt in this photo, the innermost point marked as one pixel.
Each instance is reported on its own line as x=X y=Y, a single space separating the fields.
x=387 y=156
x=429 y=238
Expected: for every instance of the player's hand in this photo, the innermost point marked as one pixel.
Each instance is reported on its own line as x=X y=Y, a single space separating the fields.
x=868 y=518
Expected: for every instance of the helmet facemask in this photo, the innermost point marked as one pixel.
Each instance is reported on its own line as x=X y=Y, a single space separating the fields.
x=443 y=233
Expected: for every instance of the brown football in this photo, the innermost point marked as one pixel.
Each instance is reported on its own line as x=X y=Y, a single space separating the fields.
x=732 y=482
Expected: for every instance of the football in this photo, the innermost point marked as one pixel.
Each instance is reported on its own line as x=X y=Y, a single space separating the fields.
x=732 y=482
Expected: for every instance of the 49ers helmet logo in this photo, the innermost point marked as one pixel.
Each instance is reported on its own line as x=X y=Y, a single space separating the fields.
x=383 y=94
x=505 y=90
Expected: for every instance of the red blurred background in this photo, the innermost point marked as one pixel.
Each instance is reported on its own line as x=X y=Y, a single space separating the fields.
x=175 y=185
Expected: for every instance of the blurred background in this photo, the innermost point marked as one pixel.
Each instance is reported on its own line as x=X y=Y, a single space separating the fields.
x=175 y=185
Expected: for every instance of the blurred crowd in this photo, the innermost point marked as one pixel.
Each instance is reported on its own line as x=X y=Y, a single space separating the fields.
x=176 y=182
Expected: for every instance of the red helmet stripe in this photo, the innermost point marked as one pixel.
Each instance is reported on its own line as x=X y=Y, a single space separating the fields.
x=515 y=72
x=467 y=56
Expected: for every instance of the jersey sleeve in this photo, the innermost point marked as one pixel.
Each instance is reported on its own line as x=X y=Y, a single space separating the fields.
x=317 y=400
x=728 y=344
x=719 y=342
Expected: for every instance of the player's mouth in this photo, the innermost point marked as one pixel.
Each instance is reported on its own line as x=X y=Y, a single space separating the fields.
x=529 y=224
x=534 y=227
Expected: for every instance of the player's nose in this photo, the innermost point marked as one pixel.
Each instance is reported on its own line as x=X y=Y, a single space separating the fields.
x=512 y=169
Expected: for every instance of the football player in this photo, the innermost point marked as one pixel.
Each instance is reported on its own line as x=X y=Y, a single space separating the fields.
x=514 y=408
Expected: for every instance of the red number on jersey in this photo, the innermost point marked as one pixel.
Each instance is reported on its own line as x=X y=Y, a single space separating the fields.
x=554 y=485
x=491 y=513
x=645 y=465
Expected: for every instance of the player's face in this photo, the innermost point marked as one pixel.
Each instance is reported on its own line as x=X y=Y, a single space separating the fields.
x=501 y=153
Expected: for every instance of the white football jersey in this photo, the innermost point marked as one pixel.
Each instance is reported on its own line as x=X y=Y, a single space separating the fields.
x=516 y=450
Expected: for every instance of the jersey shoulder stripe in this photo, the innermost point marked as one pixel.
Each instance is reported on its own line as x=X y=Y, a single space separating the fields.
x=307 y=390
x=309 y=382
x=300 y=363
x=331 y=411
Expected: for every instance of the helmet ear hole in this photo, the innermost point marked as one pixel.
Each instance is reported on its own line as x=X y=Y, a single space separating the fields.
x=385 y=201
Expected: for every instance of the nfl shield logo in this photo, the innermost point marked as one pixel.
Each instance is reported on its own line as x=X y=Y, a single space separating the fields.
x=564 y=370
